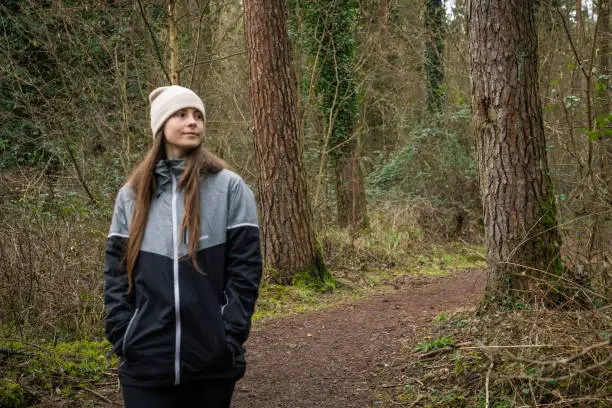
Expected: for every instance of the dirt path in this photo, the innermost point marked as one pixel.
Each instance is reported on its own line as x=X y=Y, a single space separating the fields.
x=330 y=358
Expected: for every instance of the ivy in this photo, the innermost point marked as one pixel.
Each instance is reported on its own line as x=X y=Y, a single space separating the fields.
x=329 y=40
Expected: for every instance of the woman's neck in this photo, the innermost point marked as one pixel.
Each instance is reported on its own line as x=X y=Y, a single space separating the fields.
x=172 y=153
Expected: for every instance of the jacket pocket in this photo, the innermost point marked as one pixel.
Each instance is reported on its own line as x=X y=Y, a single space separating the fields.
x=128 y=331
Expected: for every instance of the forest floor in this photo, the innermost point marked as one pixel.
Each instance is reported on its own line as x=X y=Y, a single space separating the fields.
x=405 y=338
x=342 y=355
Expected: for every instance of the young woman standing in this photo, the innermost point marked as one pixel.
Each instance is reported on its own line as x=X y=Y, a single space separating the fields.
x=182 y=268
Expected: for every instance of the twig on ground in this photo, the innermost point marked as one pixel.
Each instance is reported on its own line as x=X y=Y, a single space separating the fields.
x=513 y=346
x=392 y=385
x=434 y=352
x=565 y=377
x=583 y=352
x=97 y=394
x=574 y=400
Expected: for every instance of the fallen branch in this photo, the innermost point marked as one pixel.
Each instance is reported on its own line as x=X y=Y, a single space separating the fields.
x=565 y=377
x=393 y=385
x=434 y=352
x=583 y=352
x=513 y=346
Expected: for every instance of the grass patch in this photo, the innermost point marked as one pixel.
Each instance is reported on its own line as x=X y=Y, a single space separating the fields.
x=435 y=344
x=64 y=369
x=351 y=279
x=277 y=300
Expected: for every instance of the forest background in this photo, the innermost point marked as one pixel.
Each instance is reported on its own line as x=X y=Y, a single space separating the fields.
x=74 y=81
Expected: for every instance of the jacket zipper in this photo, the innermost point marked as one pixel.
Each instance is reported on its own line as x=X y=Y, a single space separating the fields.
x=127 y=332
x=177 y=299
x=225 y=304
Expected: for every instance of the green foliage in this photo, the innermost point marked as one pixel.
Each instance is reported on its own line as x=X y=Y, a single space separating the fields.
x=11 y=394
x=441 y=317
x=301 y=296
x=603 y=129
x=571 y=101
x=80 y=359
x=511 y=304
x=434 y=50
x=21 y=145
x=84 y=360
x=61 y=368
x=68 y=75
x=435 y=344
x=329 y=35
x=312 y=280
x=282 y=300
x=436 y=163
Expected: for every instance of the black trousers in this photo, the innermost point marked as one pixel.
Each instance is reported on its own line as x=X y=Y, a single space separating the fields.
x=195 y=394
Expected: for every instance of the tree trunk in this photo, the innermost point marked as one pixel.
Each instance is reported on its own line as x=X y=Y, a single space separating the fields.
x=350 y=194
x=521 y=233
x=434 y=49
x=336 y=85
x=174 y=43
x=288 y=237
x=603 y=237
x=603 y=40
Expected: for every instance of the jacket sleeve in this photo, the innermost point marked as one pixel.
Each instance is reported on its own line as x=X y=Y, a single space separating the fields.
x=243 y=265
x=117 y=301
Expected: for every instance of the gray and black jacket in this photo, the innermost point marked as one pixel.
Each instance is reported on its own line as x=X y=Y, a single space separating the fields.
x=177 y=324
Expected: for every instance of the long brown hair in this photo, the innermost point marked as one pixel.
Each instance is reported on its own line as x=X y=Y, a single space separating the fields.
x=142 y=180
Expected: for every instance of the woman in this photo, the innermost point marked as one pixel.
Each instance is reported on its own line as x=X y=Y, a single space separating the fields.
x=182 y=267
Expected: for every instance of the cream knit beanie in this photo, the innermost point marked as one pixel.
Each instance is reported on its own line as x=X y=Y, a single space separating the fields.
x=168 y=99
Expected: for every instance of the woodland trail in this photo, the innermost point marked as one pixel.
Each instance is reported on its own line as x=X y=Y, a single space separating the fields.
x=336 y=357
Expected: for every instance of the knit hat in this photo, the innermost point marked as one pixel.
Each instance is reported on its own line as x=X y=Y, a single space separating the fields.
x=166 y=100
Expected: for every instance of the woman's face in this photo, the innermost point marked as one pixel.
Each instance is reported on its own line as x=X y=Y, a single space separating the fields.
x=183 y=132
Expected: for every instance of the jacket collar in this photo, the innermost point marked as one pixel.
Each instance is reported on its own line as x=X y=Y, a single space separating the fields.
x=165 y=169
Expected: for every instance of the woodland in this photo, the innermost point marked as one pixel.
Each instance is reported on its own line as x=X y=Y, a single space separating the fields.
x=386 y=141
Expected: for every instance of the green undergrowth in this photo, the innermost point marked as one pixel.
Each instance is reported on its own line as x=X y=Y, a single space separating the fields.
x=504 y=359
x=348 y=283
x=35 y=370
x=30 y=372
x=11 y=394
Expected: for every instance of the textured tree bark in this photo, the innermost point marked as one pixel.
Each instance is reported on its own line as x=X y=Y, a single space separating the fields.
x=288 y=236
x=434 y=49
x=521 y=233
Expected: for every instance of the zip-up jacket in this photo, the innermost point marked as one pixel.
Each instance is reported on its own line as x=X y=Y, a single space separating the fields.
x=178 y=324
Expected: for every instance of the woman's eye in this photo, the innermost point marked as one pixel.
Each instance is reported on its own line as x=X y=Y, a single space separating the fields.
x=179 y=114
